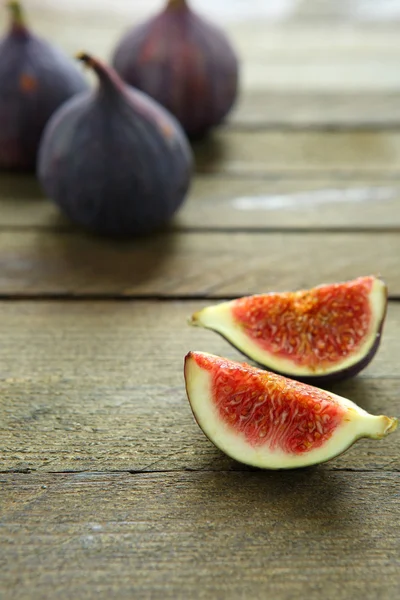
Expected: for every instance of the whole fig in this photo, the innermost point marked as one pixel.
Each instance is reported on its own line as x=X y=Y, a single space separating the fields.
x=183 y=62
x=35 y=79
x=113 y=160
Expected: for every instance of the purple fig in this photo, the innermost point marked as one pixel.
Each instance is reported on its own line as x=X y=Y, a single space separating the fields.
x=114 y=160
x=35 y=79
x=185 y=63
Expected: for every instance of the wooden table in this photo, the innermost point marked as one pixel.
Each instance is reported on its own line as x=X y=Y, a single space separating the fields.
x=108 y=487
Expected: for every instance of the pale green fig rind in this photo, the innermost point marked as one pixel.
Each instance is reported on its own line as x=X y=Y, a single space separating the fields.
x=219 y=318
x=360 y=424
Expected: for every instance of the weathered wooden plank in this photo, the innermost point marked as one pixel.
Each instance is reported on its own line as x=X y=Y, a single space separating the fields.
x=327 y=58
x=223 y=202
x=191 y=264
x=301 y=153
x=299 y=109
x=283 y=204
x=99 y=386
x=201 y=535
x=358 y=11
x=233 y=11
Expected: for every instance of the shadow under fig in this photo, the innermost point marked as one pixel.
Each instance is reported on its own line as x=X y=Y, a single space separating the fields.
x=317 y=496
x=209 y=153
x=21 y=192
x=308 y=491
x=78 y=262
x=20 y=186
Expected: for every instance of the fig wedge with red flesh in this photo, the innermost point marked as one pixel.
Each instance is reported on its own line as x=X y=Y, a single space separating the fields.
x=325 y=333
x=269 y=421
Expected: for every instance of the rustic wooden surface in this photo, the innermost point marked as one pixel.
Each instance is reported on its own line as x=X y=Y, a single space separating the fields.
x=108 y=488
x=106 y=389
x=310 y=534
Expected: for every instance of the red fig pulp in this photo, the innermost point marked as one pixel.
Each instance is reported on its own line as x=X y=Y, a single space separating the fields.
x=185 y=63
x=269 y=421
x=113 y=160
x=328 y=332
x=35 y=79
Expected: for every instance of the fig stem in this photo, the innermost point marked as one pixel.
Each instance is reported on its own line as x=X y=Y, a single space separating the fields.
x=17 y=14
x=108 y=77
x=88 y=60
x=177 y=4
x=392 y=424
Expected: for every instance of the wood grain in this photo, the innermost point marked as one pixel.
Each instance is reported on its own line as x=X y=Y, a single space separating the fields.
x=300 y=153
x=333 y=12
x=190 y=264
x=226 y=203
x=302 y=109
x=286 y=204
x=201 y=535
x=99 y=386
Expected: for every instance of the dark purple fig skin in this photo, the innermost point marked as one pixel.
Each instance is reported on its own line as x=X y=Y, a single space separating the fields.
x=35 y=79
x=185 y=63
x=113 y=160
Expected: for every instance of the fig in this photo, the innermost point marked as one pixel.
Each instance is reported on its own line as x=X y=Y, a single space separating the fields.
x=326 y=333
x=185 y=63
x=269 y=421
x=113 y=160
x=35 y=79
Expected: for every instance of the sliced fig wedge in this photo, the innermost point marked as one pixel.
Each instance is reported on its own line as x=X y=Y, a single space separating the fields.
x=325 y=333
x=269 y=421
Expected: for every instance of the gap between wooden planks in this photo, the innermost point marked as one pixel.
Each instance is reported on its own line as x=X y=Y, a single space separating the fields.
x=201 y=535
x=100 y=387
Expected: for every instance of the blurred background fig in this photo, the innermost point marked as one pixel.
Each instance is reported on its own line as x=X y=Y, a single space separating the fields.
x=113 y=160
x=185 y=63
x=35 y=79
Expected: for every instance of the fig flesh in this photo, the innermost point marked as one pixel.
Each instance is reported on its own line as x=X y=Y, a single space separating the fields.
x=35 y=79
x=185 y=63
x=325 y=333
x=266 y=420
x=113 y=160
